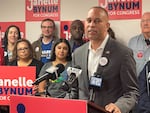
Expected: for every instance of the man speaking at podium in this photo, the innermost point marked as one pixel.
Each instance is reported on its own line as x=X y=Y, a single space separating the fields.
x=117 y=89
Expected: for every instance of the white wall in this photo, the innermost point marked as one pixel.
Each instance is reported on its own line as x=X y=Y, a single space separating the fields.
x=14 y=10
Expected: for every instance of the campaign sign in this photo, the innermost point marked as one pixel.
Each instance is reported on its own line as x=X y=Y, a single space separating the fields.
x=37 y=10
x=15 y=80
x=5 y=25
x=65 y=29
x=122 y=9
x=32 y=104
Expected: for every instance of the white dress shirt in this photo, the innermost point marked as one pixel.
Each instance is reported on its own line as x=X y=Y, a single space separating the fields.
x=94 y=57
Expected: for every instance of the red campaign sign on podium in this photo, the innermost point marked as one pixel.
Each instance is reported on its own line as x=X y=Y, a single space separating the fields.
x=15 y=80
x=32 y=104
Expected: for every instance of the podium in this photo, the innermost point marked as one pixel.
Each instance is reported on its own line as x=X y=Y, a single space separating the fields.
x=32 y=104
x=94 y=108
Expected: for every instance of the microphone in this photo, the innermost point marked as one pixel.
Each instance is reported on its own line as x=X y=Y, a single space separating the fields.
x=73 y=73
x=51 y=73
x=96 y=80
x=95 y=83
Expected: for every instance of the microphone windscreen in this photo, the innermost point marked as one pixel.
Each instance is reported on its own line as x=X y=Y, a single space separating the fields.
x=77 y=66
x=61 y=68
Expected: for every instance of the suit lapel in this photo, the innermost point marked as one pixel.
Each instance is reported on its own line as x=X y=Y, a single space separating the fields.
x=107 y=54
x=108 y=48
x=86 y=59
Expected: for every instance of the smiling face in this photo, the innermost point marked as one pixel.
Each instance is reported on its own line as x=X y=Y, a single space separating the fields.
x=61 y=51
x=13 y=35
x=96 y=24
x=47 y=28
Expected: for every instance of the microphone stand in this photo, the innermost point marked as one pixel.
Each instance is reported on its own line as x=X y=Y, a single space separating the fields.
x=46 y=88
x=46 y=93
x=147 y=81
x=92 y=95
x=48 y=83
x=69 y=92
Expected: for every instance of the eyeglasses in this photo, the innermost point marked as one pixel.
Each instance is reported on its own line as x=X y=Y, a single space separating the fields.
x=22 y=49
x=49 y=27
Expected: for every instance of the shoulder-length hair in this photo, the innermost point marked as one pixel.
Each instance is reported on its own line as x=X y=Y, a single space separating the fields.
x=5 y=41
x=58 y=41
x=15 y=56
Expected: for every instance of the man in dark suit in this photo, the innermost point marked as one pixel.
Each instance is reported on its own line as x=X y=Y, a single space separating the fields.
x=144 y=87
x=114 y=63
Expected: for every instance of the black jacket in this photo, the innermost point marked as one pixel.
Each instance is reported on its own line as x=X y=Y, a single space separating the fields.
x=38 y=64
x=144 y=84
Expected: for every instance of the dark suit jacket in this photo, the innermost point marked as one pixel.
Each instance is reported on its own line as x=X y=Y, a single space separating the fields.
x=144 y=100
x=119 y=83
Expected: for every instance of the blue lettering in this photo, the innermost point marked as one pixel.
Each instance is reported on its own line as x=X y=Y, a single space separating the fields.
x=136 y=5
x=35 y=10
x=116 y=5
x=110 y=7
x=123 y=5
x=6 y=90
x=45 y=9
x=28 y=91
x=19 y=91
x=13 y=91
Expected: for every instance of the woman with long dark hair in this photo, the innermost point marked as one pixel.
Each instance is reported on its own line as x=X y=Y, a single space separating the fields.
x=12 y=34
x=61 y=54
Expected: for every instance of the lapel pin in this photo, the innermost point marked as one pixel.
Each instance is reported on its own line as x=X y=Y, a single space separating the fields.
x=37 y=49
x=107 y=52
x=103 y=61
